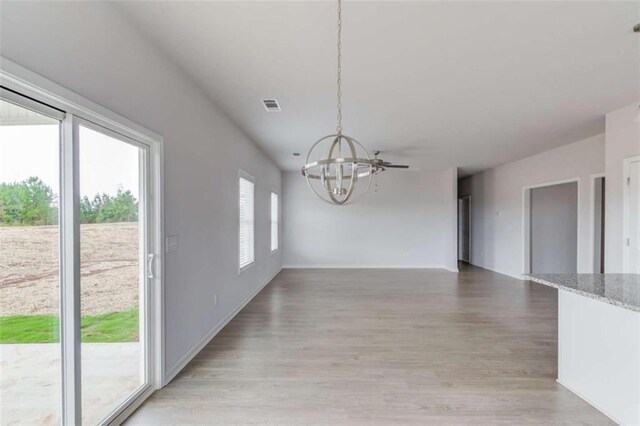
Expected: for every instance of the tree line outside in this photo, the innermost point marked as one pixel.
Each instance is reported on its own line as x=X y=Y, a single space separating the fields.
x=31 y=202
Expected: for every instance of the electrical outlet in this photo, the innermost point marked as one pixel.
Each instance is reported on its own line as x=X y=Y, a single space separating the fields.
x=172 y=244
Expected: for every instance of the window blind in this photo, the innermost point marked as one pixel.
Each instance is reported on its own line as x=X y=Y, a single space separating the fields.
x=246 y=254
x=274 y=221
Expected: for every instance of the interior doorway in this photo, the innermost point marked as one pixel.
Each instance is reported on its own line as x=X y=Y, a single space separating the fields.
x=464 y=229
x=551 y=224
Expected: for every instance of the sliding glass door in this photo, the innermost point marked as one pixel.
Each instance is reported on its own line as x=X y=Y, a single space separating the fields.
x=77 y=267
x=30 y=352
x=112 y=172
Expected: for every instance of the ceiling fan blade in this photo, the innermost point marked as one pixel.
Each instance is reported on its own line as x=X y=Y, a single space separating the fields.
x=396 y=166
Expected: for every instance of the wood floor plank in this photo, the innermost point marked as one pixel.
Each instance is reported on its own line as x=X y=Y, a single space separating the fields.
x=379 y=347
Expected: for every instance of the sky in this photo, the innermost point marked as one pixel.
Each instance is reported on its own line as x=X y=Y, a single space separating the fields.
x=105 y=162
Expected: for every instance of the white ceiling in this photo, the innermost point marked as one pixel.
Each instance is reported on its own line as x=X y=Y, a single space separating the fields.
x=436 y=84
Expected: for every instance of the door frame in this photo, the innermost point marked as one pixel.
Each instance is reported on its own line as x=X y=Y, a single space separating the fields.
x=468 y=198
x=35 y=88
x=626 y=169
x=592 y=218
x=526 y=220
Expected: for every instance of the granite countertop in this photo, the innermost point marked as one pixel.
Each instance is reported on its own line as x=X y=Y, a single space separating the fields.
x=617 y=289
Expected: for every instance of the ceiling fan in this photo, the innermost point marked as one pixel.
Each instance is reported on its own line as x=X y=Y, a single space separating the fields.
x=380 y=165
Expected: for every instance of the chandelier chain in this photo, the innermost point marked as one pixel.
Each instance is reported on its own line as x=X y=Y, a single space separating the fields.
x=339 y=93
x=339 y=177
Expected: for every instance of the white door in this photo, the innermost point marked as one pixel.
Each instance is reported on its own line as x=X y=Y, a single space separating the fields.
x=633 y=218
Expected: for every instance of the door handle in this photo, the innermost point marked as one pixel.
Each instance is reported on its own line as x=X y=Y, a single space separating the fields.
x=150 y=258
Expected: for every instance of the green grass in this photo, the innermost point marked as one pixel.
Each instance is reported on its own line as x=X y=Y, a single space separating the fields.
x=105 y=328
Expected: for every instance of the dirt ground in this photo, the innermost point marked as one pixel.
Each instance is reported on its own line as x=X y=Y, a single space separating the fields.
x=29 y=269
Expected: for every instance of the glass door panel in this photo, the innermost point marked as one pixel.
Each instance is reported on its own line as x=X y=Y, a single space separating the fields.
x=113 y=280
x=30 y=352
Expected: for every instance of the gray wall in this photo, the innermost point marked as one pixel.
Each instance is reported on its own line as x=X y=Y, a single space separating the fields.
x=90 y=49
x=554 y=228
x=497 y=241
x=409 y=222
x=497 y=206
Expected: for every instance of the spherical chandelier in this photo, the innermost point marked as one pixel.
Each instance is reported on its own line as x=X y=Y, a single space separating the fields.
x=338 y=168
x=344 y=175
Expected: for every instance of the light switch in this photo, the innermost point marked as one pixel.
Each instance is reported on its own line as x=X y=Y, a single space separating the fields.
x=172 y=244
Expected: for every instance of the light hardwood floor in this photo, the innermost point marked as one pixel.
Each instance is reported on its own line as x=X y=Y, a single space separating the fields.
x=363 y=347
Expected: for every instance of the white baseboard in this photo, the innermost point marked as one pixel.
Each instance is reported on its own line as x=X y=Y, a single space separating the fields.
x=324 y=266
x=589 y=401
x=186 y=358
x=497 y=271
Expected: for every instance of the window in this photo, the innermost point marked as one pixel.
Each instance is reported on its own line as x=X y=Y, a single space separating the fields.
x=274 y=221
x=246 y=223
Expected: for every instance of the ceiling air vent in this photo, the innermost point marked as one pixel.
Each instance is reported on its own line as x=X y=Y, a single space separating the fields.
x=271 y=105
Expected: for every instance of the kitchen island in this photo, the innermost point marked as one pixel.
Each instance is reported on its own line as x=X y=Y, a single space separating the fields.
x=599 y=340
